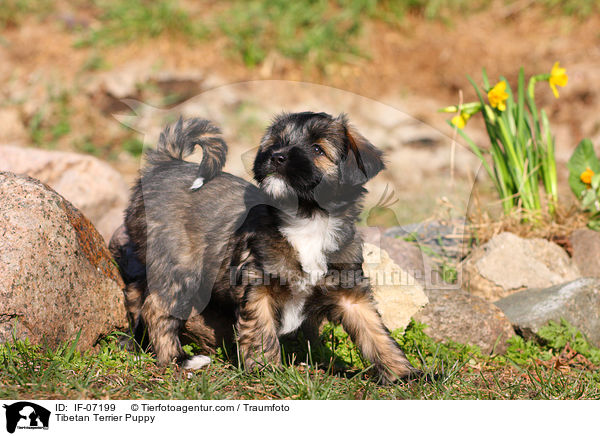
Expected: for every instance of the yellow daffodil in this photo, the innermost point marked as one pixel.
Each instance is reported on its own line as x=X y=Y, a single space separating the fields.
x=586 y=176
x=460 y=120
x=498 y=96
x=558 y=76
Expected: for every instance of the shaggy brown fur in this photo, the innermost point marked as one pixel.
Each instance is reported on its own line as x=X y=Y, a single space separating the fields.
x=266 y=260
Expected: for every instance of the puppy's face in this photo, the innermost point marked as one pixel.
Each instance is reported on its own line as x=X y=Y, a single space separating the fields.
x=313 y=156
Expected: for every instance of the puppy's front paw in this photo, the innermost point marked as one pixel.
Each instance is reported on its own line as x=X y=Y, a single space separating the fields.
x=196 y=362
x=400 y=374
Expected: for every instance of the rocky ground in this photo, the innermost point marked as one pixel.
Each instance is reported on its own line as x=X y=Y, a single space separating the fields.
x=64 y=94
x=77 y=119
x=479 y=295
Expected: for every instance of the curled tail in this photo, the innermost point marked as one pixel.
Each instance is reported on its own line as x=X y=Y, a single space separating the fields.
x=180 y=140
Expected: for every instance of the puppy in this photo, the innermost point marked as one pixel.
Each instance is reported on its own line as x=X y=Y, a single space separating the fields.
x=262 y=261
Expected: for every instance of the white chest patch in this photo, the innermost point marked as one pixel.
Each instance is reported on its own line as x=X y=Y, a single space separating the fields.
x=313 y=238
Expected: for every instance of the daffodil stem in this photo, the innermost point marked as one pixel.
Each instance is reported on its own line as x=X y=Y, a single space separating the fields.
x=522 y=147
x=469 y=108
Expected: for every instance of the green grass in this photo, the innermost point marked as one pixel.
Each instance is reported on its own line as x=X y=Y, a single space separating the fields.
x=86 y=145
x=125 y=21
x=318 y=32
x=95 y=62
x=315 y=31
x=527 y=371
x=51 y=121
x=133 y=146
x=579 y=8
x=14 y=12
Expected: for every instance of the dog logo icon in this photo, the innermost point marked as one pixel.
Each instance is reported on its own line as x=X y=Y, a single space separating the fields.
x=26 y=415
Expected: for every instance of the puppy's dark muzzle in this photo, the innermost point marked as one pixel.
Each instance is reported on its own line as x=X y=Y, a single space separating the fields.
x=278 y=160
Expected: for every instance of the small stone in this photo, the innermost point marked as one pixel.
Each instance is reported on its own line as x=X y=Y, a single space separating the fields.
x=397 y=294
x=507 y=264
x=586 y=251
x=406 y=255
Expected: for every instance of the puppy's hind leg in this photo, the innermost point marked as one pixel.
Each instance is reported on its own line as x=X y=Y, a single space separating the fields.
x=134 y=301
x=355 y=310
x=163 y=330
x=258 y=341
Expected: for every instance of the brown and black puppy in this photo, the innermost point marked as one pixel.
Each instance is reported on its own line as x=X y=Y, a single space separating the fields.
x=268 y=260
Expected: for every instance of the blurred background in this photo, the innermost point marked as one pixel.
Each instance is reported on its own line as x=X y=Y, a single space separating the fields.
x=71 y=72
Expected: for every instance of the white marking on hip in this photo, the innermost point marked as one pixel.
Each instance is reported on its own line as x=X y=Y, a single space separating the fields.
x=197 y=184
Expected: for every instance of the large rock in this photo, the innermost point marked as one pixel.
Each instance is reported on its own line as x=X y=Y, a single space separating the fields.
x=586 y=251
x=397 y=294
x=56 y=275
x=507 y=264
x=578 y=302
x=91 y=185
x=465 y=318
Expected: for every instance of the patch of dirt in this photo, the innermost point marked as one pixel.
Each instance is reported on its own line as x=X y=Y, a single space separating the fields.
x=416 y=67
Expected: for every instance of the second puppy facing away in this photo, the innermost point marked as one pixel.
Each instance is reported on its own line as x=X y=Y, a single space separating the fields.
x=262 y=261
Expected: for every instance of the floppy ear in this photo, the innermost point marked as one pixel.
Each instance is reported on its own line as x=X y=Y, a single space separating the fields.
x=363 y=161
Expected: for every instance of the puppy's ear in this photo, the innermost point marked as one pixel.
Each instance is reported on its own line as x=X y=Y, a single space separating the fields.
x=363 y=161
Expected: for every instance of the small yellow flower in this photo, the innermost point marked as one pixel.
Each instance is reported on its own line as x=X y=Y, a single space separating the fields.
x=558 y=76
x=586 y=176
x=460 y=120
x=498 y=96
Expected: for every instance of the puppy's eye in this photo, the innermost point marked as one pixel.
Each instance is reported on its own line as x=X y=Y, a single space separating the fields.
x=317 y=149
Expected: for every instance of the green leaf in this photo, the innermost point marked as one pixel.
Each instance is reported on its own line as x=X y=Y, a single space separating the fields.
x=596 y=181
x=520 y=117
x=589 y=197
x=486 y=82
x=594 y=225
x=583 y=157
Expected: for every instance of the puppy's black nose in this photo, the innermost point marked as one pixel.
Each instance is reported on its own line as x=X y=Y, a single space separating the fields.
x=278 y=159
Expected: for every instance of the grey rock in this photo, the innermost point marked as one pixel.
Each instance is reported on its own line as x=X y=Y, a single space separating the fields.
x=122 y=82
x=93 y=186
x=56 y=274
x=465 y=318
x=586 y=251
x=578 y=302
x=507 y=264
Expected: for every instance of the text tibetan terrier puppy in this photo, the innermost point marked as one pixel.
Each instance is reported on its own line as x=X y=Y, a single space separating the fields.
x=216 y=254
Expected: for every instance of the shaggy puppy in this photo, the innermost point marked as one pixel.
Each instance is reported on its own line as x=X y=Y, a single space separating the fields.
x=266 y=260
